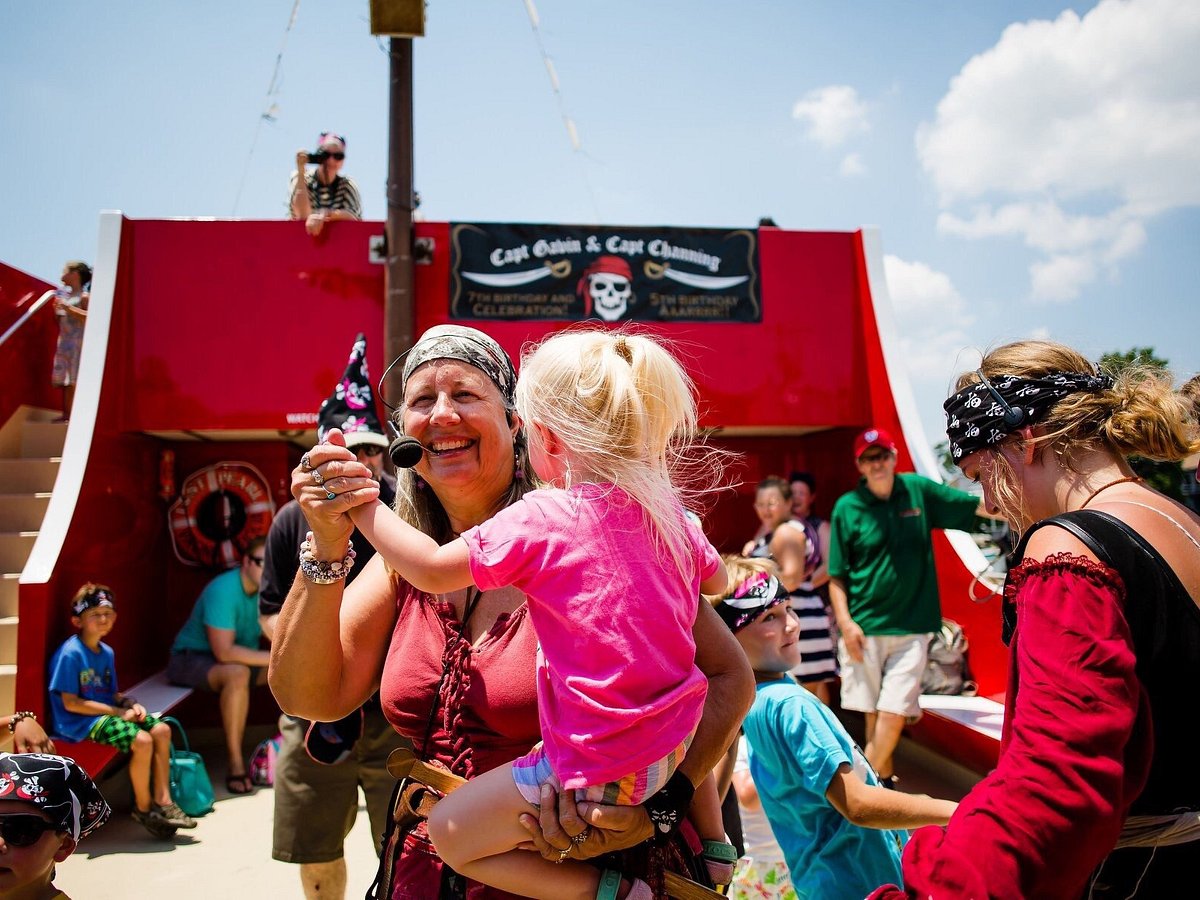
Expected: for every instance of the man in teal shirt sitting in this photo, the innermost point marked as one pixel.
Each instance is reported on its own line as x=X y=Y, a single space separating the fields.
x=217 y=650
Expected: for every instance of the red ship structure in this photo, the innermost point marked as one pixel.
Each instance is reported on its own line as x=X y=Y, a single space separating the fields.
x=210 y=344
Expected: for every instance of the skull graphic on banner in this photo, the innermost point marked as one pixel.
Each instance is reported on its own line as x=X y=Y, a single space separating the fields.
x=608 y=286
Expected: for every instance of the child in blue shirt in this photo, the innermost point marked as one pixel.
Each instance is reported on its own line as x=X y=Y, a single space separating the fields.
x=839 y=829
x=85 y=704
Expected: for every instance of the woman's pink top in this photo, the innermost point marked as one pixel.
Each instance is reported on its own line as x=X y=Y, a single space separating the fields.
x=486 y=716
x=618 y=686
x=1075 y=751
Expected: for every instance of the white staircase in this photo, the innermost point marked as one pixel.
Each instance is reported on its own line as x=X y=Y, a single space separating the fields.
x=31 y=446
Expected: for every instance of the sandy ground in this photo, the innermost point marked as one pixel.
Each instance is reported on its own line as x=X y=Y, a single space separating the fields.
x=228 y=856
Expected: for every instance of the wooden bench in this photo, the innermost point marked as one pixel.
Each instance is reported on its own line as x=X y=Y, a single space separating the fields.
x=157 y=694
x=966 y=729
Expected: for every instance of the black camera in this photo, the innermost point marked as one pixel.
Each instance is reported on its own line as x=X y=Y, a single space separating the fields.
x=319 y=157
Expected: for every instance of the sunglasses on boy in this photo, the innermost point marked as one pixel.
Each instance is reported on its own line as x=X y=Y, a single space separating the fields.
x=369 y=449
x=23 y=830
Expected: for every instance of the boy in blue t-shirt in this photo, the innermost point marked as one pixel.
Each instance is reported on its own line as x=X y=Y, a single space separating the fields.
x=85 y=704
x=840 y=830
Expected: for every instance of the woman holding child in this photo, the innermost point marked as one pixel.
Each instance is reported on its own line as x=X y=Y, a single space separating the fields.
x=456 y=670
x=1094 y=792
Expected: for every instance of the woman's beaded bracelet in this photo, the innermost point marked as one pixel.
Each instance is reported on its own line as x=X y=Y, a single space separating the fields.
x=321 y=571
x=18 y=717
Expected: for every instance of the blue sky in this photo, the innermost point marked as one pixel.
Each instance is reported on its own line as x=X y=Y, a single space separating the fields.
x=1034 y=166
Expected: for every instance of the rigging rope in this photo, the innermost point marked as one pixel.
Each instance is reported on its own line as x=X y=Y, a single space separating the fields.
x=568 y=122
x=268 y=114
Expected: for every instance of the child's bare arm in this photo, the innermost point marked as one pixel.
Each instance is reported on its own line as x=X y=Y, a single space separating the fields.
x=871 y=806
x=747 y=793
x=716 y=584
x=75 y=704
x=415 y=555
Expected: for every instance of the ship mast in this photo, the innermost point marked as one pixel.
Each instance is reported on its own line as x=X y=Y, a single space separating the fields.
x=400 y=20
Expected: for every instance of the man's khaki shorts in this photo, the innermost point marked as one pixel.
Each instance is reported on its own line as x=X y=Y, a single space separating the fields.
x=315 y=804
x=889 y=677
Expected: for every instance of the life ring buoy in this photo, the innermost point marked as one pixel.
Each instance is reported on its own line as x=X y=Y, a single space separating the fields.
x=220 y=510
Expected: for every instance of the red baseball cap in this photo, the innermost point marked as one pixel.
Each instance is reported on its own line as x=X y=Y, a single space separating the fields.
x=873 y=437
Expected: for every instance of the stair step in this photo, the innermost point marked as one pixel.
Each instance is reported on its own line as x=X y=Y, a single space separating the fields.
x=40 y=440
x=15 y=548
x=10 y=584
x=8 y=640
x=28 y=476
x=23 y=512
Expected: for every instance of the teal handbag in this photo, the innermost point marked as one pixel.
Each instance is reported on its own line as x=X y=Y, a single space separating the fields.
x=190 y=785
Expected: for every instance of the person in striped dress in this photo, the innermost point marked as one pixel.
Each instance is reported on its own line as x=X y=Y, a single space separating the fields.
x=324 y=194
x=796 y=549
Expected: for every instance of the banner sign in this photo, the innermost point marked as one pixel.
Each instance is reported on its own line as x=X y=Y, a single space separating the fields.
x=571 y=272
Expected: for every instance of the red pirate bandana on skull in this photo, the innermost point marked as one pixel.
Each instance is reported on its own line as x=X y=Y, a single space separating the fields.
x=607 y=281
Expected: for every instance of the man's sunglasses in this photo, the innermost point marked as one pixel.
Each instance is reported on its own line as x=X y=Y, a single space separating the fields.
x=370 y=449
x=22 y=830
x=338 y=156
x=874 y=457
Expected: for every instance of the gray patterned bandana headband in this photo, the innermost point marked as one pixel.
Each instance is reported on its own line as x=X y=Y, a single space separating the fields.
x=984 y=413
x=467 y=345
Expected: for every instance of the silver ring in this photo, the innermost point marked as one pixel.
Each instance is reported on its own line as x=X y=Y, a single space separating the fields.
x=330 y=495
x=305 y=464
x=317 y=477
x=582 y=836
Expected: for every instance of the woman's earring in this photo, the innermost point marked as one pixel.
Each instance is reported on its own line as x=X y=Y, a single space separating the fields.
x=418 y=482
x=518 y=472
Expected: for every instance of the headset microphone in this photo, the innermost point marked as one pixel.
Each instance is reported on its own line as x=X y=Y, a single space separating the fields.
x=405 y=451
x=1013 y=417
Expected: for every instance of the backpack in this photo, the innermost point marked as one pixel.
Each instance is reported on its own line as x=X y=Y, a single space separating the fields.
x=947 y=671
x=262 y=761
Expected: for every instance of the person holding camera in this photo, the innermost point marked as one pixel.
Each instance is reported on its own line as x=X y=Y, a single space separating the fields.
x=327 y=194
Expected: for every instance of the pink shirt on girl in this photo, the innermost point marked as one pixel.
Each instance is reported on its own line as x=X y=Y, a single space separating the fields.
x=618 y=687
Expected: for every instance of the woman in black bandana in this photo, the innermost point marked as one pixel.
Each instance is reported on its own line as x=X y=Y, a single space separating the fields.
x=1102 y=619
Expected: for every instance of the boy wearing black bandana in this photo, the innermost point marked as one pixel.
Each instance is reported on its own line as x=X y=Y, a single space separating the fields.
x=86 y=704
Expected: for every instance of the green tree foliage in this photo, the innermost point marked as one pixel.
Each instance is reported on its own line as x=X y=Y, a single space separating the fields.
x=1115 y=361
x=1165 y=477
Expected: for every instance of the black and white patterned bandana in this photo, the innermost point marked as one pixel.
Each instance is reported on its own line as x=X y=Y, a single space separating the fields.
x=467 y=345
x=56 y=786
x=750 y=599
x=92 y=599
x=975 y=418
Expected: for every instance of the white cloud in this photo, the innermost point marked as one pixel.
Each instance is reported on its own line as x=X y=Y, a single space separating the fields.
x=852 y=166
x=833 y=114
x=932 y=317
x=1071 y=135
x=1061 y=277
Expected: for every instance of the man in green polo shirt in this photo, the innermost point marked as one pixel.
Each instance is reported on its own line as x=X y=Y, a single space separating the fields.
x=883 y=588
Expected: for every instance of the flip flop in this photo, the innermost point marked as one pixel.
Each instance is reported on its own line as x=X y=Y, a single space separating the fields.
x=239 y=784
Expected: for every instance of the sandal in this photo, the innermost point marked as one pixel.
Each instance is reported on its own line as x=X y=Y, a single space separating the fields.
x=239 y=784
x=720 y=858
